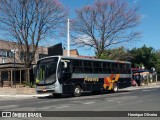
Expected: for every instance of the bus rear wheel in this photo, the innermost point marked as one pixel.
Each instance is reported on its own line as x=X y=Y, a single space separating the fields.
x=115 y=88
x=77 y=91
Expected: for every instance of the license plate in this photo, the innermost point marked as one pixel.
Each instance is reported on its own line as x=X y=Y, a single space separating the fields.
x=41 y=87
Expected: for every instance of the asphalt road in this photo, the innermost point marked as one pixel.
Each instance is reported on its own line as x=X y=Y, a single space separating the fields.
x=137 y=100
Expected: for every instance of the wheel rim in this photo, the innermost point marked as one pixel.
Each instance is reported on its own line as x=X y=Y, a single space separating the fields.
x=115 y=88
x=77 y=90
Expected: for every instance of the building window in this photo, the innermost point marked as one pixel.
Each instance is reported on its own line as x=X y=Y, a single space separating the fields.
x=30 y=55
x=3 y=53
x=42 y=56
x=3 y=59
x=10 y=54
x=4 y=76
x=21 y=55
x=6 y=53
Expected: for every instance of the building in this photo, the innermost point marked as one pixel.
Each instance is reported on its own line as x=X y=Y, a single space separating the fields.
x=73 y=53
x=8 y=48
x=12 y=71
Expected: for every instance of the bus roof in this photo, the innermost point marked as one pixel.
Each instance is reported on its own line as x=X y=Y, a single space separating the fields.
x=90 y=59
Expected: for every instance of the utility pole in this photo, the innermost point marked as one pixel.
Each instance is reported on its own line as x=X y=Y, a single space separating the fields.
x=14 y=80
x=68 y=38
x=14 y=69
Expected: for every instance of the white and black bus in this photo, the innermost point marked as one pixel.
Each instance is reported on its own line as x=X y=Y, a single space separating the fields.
x=71 y=75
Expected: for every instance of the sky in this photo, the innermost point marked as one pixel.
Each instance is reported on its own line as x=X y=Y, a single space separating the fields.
x=149 y=24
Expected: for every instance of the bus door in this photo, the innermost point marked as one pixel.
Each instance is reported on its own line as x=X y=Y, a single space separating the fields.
x=66 y=76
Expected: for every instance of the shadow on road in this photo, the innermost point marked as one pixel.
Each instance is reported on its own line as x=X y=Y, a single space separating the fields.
x=83 y=95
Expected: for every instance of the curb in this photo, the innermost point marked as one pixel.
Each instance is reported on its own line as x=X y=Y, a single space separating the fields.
x=48 y=94
x=140 y=88
x=23 y=95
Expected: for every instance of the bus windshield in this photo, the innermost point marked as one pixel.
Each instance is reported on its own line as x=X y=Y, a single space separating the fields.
x=46 y=71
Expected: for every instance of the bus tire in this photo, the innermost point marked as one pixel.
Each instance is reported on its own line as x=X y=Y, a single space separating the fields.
x=77 y=91
x=96 y=92
x=115 y=88
x=57 y=95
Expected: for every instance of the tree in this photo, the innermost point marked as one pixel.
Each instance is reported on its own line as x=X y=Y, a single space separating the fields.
x=116 y=54
x=157 y=63
x=105 y=23
x=30 y=21
x=143 y=56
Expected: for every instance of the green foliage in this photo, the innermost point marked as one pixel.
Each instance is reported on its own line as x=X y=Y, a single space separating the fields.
x=143 y=56
x=28 y=84
x=157 y=65
x=115 y=54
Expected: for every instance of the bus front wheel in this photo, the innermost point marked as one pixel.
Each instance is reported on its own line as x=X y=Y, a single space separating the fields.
x=57 y=95
x=77 y=91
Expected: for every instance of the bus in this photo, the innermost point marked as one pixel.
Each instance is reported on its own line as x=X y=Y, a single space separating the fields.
x=72 y=75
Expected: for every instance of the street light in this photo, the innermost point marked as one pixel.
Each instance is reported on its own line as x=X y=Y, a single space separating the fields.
x=14 y=80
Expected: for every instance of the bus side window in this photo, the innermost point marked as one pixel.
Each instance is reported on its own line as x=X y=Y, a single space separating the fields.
x=99 y=67
x=121 y=68
x=80 y=66
x=106 y=67
x=128 y=68
x=103 y=68
x=117 y=68
x=112 y=67
x=87 y=66
x=75 y=70
x=77 y=66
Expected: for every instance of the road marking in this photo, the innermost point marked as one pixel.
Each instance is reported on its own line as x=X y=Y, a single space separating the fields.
x=123 y=93
x=89 y=103
x=62 y=107
x=149 y=89
x=146 y=90
x=9 y=106
x=48 y=107
x=47 y=101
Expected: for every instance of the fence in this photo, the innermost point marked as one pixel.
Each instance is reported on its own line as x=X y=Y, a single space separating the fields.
x=158 y=77
x=146 y=78
x=11 y=78
x=149 y=78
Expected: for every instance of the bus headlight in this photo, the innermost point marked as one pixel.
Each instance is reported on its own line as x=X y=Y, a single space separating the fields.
x=51 y=86
x=48 y=87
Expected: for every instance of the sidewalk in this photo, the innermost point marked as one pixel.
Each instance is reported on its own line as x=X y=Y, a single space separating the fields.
x=31 y=92
x=20 y=92
x=151 y=85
